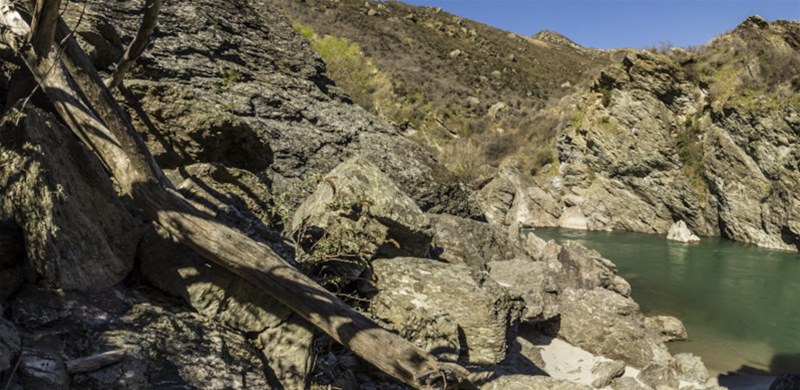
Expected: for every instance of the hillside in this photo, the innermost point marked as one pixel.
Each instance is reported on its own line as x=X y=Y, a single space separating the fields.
x=444 y=78
x=708 y=136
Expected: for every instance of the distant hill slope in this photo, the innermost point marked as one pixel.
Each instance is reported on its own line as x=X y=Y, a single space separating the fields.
x=446 y=76
x=709 y=136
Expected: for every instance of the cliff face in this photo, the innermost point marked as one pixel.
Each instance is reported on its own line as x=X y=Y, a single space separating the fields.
x=710 y=137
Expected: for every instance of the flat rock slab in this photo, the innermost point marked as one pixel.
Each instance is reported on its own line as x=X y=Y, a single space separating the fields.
x=421 y=297
x=77 y=233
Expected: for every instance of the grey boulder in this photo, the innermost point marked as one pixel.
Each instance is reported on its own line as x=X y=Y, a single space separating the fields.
x=442 y=309
x=358 y=212
x=78 y=235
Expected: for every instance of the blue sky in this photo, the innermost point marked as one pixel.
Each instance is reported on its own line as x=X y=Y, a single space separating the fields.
x=609 y=24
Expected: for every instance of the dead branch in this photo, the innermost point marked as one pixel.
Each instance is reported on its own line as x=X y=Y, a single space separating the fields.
x=95 y=362
x=115 y=142
x=43 y=25
x=136 y=48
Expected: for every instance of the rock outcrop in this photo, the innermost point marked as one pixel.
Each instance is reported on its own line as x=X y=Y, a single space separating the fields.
x=77 y=234
x=681 y=137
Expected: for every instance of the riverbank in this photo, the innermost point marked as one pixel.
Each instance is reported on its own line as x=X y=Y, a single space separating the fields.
x=736 y=300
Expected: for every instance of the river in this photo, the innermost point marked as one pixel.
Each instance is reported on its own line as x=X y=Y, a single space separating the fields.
x=740 y=303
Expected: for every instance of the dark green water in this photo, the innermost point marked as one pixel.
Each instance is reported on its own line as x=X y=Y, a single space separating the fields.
x=740 y=303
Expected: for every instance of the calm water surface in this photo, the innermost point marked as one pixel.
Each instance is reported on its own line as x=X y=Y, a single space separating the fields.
x=740 y=303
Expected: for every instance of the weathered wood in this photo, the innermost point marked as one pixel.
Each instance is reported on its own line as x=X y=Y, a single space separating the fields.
x=95 y=362
x=136 y=48
x=123 y=153
x=43 y=25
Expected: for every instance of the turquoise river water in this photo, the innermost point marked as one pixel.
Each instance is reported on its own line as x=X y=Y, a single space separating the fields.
x=740 y=303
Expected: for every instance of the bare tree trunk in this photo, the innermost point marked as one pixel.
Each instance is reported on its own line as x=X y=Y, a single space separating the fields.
x=112 y=138
x=43 y=26
x=149 y=18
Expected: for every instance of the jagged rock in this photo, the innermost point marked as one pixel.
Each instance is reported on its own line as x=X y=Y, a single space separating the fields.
x=219 y=294
x=605 y=372
x=539 y=249
x=474 y=243
x=531 y=281
x=689 y=368
x=528 y=382
x=668 y=328
x=77 y=233
x=358 y=212
x=606 y=323
x=786 y=382
x=681 y=233
x=583 y=268
x=439 y=306
x=9 y=343
x=627 y=383
x=656 y=375
x=497 y=198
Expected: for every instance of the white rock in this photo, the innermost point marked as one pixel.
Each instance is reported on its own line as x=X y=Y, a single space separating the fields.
x=680 y=232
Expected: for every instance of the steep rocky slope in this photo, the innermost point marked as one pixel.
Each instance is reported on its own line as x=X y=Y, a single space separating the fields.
x=710 y=137
x=449 y=78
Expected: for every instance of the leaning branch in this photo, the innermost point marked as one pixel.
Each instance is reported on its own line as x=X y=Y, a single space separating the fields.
x=136 y=48
x=43 y=25
x=118 y=146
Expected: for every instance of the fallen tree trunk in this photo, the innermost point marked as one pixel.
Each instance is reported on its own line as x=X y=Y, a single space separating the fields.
x=102 y=126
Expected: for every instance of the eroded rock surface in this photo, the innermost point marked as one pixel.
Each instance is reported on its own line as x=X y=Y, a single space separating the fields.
x=78 y=235
x=357 y=211
x=423 y=299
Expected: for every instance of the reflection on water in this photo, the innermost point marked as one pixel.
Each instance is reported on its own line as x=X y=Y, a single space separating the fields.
x=739 y=303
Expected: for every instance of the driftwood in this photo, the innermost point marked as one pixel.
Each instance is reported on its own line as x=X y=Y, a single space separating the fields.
x=94 y=362
x=86 y=105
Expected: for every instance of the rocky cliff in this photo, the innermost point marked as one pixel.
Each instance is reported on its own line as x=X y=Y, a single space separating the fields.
x=709 y=137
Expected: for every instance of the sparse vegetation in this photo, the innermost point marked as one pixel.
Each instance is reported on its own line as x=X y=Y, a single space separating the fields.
x=444 y=96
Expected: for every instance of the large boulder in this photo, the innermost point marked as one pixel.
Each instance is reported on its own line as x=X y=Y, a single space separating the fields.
x=77 y=233
x=689 y=368
x=529 y=280
x=358 y=212
x=668 y=328
x=474 y=243
x=579 y=267
x=604 y=322
x=442 y=309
